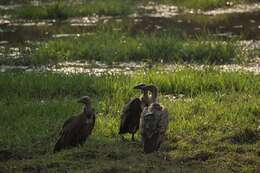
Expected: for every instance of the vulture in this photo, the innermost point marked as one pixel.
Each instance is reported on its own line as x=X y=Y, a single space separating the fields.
x=153 y=123
x=130 y=117
x=76 y=129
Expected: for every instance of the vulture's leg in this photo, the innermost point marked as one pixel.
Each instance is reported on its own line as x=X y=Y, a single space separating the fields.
x=159 y=145
x=142 y=140
x=122 y=138
x=133 y=137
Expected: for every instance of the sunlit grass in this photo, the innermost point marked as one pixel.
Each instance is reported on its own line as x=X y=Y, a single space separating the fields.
x=198 y=4
x=62 y=10
x=188 y=82
x=204 y=4
x=113 y=46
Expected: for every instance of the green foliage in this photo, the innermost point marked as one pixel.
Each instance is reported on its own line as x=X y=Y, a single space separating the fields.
x=204 y=4
x=65 y=9
x=198 y=4
x=60 y=10
x=188 y=82
x=6 y=2
x=114 y=46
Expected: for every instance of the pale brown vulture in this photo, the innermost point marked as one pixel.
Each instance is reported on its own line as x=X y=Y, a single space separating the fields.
x=130 y=117
x=76 y=129
x=153 y=123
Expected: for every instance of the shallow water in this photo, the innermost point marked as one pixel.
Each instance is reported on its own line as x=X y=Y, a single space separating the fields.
x=77 y=67
x=20 y=31
x=18 y=38
x=245 y=25
x=97 y=68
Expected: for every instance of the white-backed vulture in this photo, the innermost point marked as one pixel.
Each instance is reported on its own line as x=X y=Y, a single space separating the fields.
x=130 y=117
x=153 y=123
x=76 y=129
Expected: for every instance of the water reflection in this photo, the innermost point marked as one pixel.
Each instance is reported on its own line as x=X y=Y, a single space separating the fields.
x=77 y=67
x=240 y=8
x=160 y=10
x=98 y=68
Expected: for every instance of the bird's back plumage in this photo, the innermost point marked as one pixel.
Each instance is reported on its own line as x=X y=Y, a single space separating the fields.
x=75 y=130
x=153 y=125
x=130 y=116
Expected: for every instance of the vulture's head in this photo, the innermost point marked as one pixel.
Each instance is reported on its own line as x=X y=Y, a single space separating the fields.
x=153 y=89
x=140 y=86
x=85 y=100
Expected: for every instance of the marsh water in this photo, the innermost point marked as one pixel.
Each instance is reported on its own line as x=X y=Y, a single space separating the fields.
x=19 y=37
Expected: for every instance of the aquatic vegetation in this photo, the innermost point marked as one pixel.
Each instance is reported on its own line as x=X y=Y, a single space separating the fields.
x=214 y=106
x=62 y=10
x=6 y=2
x=116 y=46
x=205 y=4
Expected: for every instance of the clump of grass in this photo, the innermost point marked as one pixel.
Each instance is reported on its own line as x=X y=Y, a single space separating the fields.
x=245 y=136
x=204 y=4
x=7 y=2
x=61 y=10
x=56 y=11
x=114 y=46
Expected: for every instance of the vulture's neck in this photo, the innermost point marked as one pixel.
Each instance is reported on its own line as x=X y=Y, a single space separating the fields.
x=145 y=98
x=87 y=108
x=154 y=95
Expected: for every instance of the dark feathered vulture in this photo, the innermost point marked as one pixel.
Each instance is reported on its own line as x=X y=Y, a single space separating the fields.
x=153 y=123
x=76 y=129
x=130 y=117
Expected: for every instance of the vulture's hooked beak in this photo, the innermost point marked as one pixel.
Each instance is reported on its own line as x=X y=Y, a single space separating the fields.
x=84 y=100
x=140 y=86
x=80 y=101
x=151 y=88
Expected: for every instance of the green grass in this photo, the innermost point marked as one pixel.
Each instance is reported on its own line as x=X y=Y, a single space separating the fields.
x=212 y=128
x=62 y=10
x=8 y=2
x=204 y=4
x=188 y=82
x=115 y=46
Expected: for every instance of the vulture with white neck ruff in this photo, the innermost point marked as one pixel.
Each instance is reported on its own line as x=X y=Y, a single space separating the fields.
x=153 y=123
